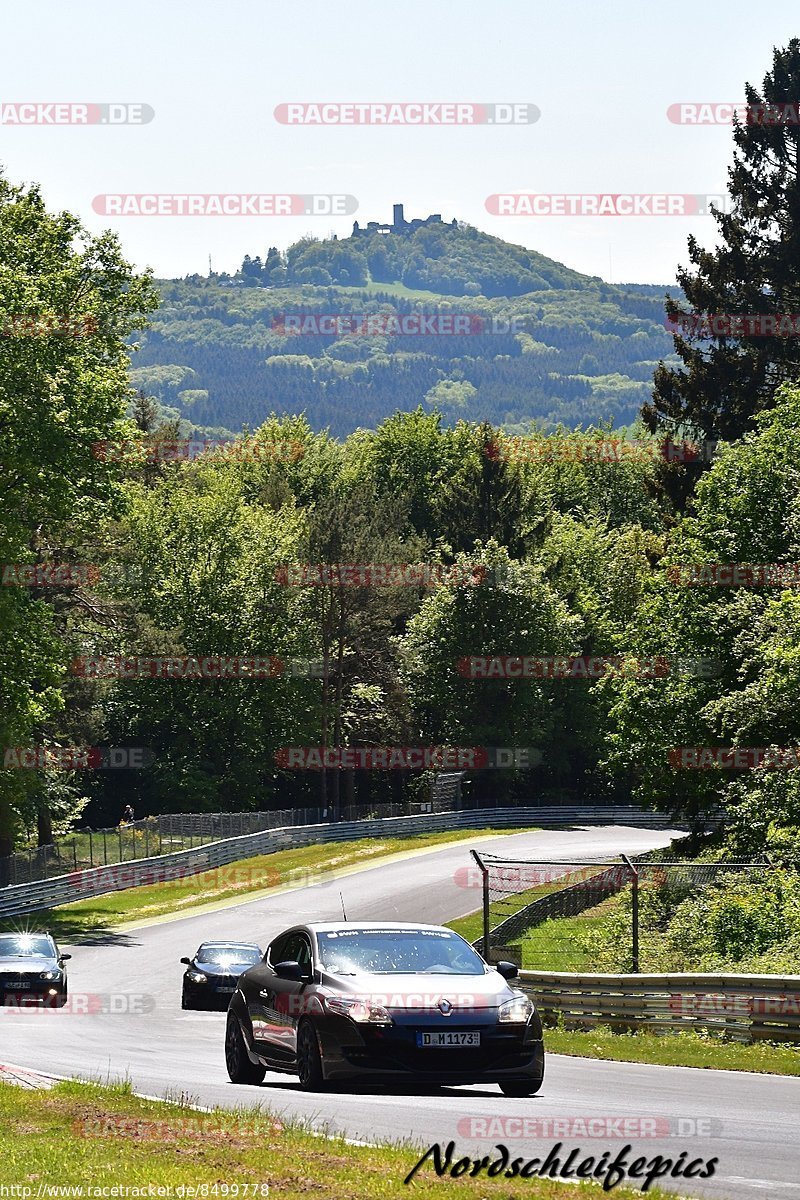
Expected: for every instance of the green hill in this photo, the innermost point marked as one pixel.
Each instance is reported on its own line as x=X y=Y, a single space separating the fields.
x=331 y=329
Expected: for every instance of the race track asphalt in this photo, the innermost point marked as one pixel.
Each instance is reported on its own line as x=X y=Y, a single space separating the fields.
x=748 y=1121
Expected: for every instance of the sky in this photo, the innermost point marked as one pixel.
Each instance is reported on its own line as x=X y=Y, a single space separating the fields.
x=602 y=76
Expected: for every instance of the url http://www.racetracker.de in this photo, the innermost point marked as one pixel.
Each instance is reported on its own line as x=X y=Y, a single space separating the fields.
x=119 y=1191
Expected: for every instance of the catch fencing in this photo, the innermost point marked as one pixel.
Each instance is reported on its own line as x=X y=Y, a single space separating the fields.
x=745 y=1008
x=545 y=915
x=100 y=880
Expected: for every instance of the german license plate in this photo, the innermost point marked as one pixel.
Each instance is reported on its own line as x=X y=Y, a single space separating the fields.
x=448 y=1037
x=226 y=989
x=17 y=987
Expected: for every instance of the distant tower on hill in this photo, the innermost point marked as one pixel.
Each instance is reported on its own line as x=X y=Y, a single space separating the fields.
x=399 y=224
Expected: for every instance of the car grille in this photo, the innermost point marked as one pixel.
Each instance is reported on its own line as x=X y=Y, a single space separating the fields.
x=397 y=1050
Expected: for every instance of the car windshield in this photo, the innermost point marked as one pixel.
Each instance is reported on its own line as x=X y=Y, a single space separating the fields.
x=25 y=946
x=224 y=955
x=397 y=952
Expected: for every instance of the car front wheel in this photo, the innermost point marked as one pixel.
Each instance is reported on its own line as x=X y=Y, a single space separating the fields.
x=522 y=1086
x=309 y=1059
x=240 y=1068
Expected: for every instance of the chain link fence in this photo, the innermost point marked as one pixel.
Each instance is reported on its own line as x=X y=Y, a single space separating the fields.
x=169 y=832
x=590 y=914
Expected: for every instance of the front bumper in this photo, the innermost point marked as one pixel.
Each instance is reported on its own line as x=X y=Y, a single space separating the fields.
x=215 y=994
x=37 y=991
x=505 y=1051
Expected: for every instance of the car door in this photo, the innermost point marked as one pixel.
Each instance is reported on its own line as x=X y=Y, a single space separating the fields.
x=273 y=1003
x=291 y=993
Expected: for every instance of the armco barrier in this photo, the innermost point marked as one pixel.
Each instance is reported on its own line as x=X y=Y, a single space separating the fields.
x=98 y=881
x=747 y=1008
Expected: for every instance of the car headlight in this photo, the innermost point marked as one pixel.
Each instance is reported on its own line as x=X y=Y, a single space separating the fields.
x=515 y=1011
x=363 y=1012
x=49 y=975
x=197 y=976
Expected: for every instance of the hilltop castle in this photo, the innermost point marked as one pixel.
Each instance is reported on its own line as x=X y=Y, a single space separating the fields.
x=399 y=224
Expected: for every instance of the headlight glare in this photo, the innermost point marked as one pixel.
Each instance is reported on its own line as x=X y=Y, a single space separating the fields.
x=515 y=1011
x=363 y=1012
x=197 y=977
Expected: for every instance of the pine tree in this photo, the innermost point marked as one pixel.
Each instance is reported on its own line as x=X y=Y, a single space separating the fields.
x=724 y=380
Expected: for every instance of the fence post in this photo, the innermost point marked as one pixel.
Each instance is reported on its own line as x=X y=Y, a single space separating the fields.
x=75 y=854
x=146 y=840
x=634 y=912
x=485 y=873
x=119 y=835
x=105 y=850
x=91 y=850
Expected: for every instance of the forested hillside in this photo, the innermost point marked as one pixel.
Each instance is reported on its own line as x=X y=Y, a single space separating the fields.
x=545 y=343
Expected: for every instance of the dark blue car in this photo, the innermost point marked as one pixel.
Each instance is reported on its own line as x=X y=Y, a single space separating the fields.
x=211 y=976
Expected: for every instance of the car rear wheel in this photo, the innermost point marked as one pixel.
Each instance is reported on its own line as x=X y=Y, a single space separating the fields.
x=240 y=1068
x=309 y=1059
x=522 y=1087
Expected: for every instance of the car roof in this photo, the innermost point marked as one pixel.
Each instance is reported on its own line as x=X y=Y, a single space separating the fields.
x=336 y=926
x=230 y=942
x=27 y=933
x=18 y=933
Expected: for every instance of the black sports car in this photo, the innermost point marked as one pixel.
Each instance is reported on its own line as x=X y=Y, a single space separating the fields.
x=32 y=970
x=211 y=976
x=333 y=1002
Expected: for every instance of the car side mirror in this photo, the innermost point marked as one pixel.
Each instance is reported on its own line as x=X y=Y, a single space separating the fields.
x=508 y=970
x=290 y=970
x=64 y=957
x=187 y=961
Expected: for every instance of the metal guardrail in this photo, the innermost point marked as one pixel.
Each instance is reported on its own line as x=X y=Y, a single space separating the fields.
x=166 y=833
x=98 y=881
x=747 y=1008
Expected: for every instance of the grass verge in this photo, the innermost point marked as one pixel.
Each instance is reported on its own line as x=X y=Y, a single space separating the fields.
x=683 y=1049
x=298 y=867
x=78 y=1135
